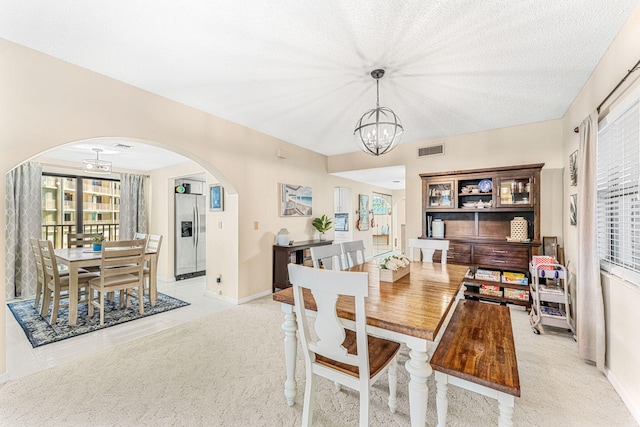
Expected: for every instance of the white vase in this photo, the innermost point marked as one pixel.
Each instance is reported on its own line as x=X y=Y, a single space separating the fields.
x=323 y=237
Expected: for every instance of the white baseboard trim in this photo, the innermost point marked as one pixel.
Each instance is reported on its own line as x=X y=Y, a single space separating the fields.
x=214 y=294
x=619 y=388
x=255 y=296
x=4 y=377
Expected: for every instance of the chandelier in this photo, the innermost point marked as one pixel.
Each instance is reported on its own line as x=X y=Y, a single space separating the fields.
x=96 y=165
x=379 y=130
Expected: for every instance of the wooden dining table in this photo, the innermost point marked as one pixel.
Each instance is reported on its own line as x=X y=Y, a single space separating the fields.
x=75 y=258
x=411 y=310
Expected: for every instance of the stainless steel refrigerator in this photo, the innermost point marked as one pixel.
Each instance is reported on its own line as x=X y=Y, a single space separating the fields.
x=190 y=240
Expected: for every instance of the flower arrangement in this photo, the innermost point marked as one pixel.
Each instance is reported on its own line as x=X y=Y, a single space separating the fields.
x=394 y=262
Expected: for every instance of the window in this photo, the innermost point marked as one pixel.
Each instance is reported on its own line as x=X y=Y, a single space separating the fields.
x=98 y=211
x=618 y=206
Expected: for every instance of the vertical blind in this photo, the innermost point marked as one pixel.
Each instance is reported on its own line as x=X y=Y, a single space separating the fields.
x=618 y=207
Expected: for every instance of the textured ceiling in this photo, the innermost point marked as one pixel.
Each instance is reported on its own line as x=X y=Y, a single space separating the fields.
x=299 y=70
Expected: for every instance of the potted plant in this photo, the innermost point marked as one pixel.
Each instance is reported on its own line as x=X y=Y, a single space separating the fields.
x=322 y=224
x=97 y=242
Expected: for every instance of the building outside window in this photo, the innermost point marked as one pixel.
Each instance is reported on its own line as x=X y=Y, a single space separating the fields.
x=74 y=204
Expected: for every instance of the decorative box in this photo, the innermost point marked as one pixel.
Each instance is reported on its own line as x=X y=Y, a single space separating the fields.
x=518 y=294
x=541 y=259
x=519 y=278
x=387 y=275
x=491 y=275
x=492 y=290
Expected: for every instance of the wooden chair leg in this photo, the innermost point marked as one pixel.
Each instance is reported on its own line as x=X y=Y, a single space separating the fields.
x=91 y=301
x=39 y=291
x=101 y=296
x=54 y=310
x=393 y=384
x=141 y=299
x=46 y=302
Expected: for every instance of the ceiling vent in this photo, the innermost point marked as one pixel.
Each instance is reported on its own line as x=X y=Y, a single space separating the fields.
x=432 y=150
x=122 y=146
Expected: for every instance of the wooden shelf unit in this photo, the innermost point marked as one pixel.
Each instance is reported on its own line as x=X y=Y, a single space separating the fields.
x=477 y=217
x=298 y=253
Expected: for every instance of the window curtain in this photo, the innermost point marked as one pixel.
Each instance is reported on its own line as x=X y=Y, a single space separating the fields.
x=23 y=219
x=590 y=331
x=133 y=206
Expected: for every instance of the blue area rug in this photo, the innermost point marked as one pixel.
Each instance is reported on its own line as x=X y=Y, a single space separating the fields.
x=39 y=332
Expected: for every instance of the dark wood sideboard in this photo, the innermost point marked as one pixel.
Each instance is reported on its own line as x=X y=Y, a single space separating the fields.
x=298 y=253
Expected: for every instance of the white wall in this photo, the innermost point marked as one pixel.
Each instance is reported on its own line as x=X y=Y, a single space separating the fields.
x=622 y=316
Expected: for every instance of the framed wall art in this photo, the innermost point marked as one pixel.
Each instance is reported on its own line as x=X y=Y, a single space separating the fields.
x=573 y=209
x=573 y=168
x=295 y=200
x=216 y=198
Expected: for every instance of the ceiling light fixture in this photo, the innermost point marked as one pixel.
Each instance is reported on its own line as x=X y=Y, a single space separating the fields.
x=379 y=130
x=96 y=165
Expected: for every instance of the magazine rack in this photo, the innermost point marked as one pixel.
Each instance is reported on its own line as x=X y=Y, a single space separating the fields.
x=550 y=297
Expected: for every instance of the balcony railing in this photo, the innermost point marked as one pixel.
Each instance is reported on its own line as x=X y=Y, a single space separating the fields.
x=57 y=233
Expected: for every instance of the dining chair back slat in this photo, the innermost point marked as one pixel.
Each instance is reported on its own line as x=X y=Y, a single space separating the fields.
x=327 y=256
x=427 y=248
x=353 y=253
x=80 y=240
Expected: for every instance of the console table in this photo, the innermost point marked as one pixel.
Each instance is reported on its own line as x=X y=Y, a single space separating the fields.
x=298 y=253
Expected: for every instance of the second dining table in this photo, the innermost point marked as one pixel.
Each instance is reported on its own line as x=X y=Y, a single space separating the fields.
x=411 y=310
x=75 y=258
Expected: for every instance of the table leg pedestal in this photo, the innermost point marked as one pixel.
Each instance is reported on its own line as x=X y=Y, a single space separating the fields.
x=290 y=327
x=419 y=370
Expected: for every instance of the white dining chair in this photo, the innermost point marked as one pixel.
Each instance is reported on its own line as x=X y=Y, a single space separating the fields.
x=353 y=253
x=350 y=358
x=327 y=256
x=427 y=248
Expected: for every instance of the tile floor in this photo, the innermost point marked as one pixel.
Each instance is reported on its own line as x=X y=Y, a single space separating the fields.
x=24 y=360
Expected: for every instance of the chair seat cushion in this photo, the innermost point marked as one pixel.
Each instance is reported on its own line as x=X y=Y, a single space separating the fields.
x=114 y=281
x=381 y=352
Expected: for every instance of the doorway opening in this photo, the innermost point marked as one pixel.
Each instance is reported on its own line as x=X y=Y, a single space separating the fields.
x=382 y=223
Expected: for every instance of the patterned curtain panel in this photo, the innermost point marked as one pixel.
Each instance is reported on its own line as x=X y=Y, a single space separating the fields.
x=23 y=219
x=133 y=205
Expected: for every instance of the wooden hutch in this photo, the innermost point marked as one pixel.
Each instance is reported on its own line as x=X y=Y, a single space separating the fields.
x=477 y=207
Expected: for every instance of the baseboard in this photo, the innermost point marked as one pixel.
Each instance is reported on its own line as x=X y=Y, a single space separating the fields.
x=4 y=377
x=214 y=294
x=255 y=296
x=632 y=406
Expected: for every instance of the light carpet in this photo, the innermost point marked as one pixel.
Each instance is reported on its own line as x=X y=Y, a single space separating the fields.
x=228 y=370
